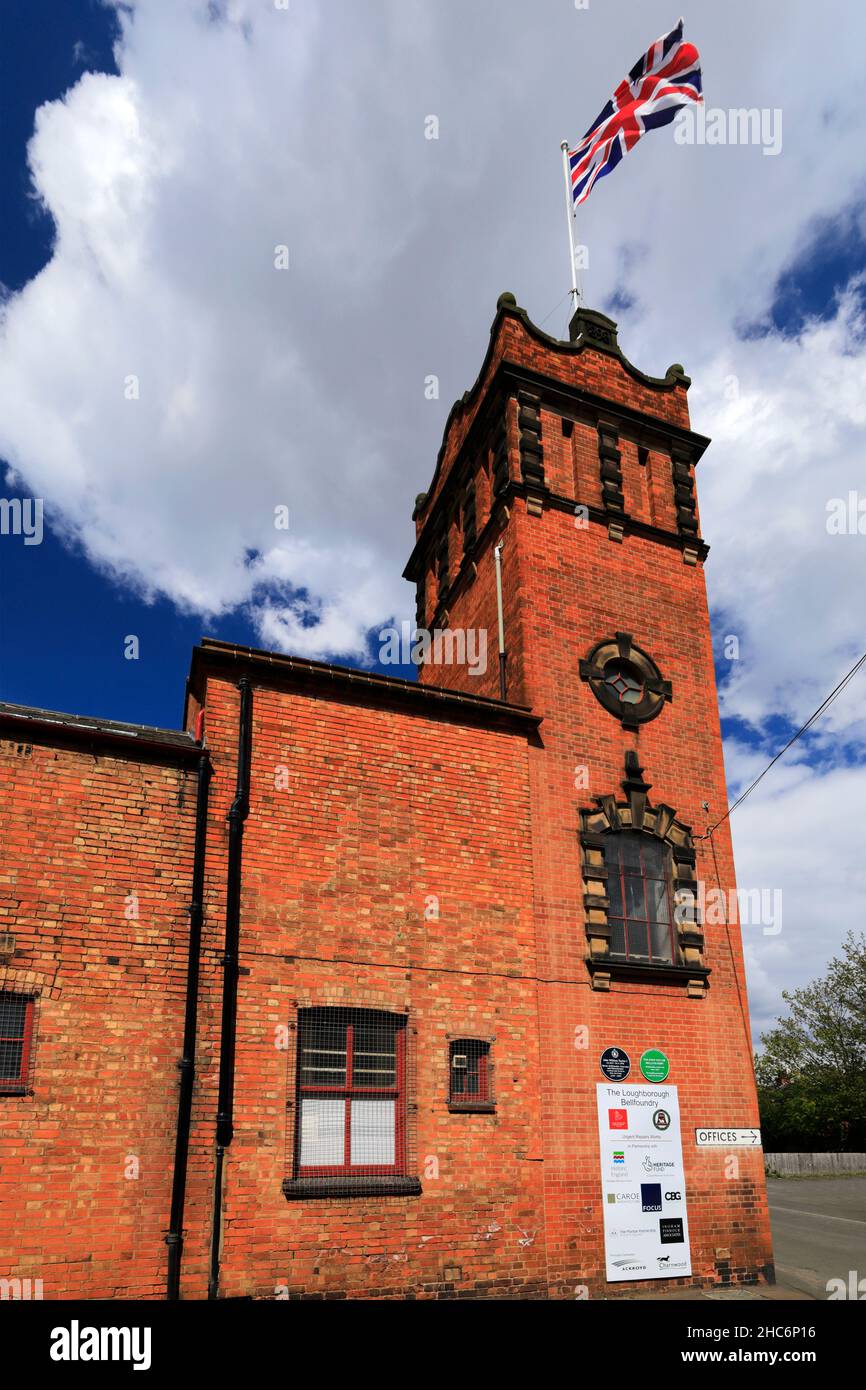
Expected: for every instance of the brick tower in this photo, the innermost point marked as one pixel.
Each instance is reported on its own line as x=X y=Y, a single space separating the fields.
x=582 y=467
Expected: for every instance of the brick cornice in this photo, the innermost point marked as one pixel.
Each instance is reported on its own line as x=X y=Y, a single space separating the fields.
x=572 y=402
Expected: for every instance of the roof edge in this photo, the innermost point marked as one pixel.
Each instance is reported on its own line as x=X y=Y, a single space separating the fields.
x=427 y=699
x=174 y=744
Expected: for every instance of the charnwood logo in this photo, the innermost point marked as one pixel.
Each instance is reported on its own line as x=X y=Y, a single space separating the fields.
x=76 y=1343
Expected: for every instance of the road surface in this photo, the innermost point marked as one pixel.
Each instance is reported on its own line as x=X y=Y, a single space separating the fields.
x=819 y=1231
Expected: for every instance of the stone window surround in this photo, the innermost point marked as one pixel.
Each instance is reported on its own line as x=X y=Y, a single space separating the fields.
x=608 y=817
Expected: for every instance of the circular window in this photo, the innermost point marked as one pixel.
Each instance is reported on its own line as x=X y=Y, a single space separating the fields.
x=625 y=682
x=625 y=679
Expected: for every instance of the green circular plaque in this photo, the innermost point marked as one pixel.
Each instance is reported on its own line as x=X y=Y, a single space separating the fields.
x=655 y=1065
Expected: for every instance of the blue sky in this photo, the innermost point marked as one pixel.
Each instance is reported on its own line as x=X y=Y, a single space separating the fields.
x=164 y=184
x=63 y=619
x=54 y=600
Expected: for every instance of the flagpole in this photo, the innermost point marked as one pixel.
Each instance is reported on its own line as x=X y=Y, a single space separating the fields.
x=569 y=212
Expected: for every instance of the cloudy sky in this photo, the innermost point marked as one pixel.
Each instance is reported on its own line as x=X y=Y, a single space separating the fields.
x=159 y=152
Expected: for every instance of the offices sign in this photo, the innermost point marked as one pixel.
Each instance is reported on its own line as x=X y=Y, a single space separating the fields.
x=646 y=1229
x=728 y=1138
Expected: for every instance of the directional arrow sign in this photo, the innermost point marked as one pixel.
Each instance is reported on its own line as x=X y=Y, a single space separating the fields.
x=728 y=1138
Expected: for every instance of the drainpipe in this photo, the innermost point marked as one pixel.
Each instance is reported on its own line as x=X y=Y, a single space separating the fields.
x=228 y=1028
x=497 y=555
x=186 y=1065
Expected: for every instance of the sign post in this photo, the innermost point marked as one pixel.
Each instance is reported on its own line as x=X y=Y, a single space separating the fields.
x=643 y=1191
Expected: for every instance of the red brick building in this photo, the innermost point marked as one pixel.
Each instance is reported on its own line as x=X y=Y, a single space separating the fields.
x=309 y=1000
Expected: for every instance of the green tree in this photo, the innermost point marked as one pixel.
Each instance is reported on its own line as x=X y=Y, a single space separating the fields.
x=812 y=1070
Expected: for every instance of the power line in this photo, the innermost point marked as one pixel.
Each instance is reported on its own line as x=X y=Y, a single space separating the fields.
x=808 y=724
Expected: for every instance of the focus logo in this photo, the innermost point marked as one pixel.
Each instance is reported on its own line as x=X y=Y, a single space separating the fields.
x=650 y=1196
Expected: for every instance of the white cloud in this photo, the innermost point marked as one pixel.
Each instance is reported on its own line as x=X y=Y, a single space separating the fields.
x=803 y=836
x=172 y=184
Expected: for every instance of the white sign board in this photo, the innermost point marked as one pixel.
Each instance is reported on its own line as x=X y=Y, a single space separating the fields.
x=728 y=1138
x=643 y=1191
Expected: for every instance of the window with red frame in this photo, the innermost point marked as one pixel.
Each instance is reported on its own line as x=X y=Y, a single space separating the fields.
x=16 y=1040
x=351 y=1093
x=640 y=897
x=471 y=1082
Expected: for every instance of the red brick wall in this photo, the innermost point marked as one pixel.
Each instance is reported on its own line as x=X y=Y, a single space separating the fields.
x=565 y=588
x=380 y=810
x=81 y=832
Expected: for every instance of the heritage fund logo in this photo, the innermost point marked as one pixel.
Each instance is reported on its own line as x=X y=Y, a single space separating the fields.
x=77 y=1343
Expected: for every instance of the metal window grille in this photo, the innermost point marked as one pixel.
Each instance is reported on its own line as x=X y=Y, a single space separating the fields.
x=351 y=1094
x=17 y=1014
x=640 y=896
x=470 y=1072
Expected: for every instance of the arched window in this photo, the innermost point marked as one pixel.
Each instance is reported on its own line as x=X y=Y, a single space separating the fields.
x=640 y=887
x=640 y=895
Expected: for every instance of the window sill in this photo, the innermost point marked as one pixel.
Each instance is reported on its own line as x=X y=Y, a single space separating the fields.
x=616 y=969
x=303 y=1189
x=472 y=1107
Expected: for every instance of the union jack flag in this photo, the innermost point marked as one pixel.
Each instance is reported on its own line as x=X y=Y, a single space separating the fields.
x=667 y=77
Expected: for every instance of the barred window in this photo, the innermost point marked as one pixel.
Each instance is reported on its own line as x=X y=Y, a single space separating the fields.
x=470 y=1074
x=351 y=1093
x=16 y=1040
x=639 y=893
